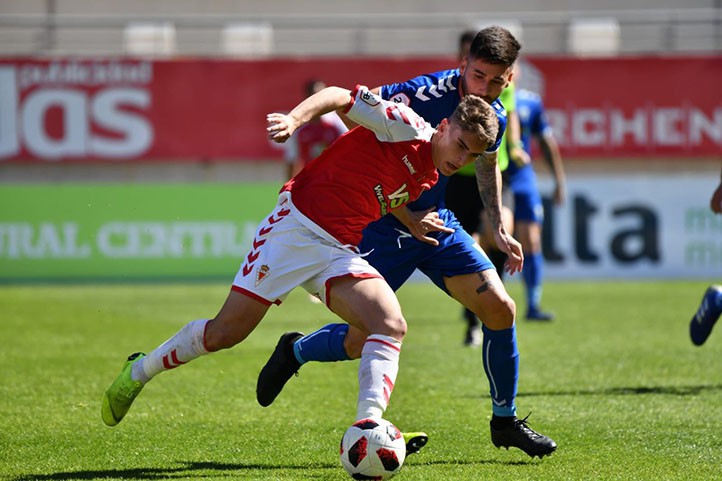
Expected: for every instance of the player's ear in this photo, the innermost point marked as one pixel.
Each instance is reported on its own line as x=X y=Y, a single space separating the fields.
x=443 y=125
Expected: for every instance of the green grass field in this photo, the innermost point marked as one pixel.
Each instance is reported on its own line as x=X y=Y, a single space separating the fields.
x=614 y=380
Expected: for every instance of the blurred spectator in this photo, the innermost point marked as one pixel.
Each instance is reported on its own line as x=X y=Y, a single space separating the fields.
x=465 y=40
x=313 y=138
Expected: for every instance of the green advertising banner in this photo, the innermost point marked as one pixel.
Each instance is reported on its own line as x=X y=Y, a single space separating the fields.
x=134 y=231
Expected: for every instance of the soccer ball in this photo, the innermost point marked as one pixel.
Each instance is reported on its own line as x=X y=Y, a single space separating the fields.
x=372 y=449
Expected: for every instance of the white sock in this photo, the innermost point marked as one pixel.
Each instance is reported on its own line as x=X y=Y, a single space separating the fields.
x=186 y=345
x=377 y=375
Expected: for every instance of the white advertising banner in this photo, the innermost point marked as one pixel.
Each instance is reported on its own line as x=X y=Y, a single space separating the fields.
x=633 y=226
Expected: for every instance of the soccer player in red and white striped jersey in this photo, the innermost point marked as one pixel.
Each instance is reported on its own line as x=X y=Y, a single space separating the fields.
x=310 y=237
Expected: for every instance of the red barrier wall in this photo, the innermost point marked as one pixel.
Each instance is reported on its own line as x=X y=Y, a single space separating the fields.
x=124 y=109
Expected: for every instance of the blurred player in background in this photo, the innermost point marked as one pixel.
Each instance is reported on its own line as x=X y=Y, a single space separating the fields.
x=428 y=237
x=313 y=138
x=309 y=241
x=710 y=309
x=528 y=207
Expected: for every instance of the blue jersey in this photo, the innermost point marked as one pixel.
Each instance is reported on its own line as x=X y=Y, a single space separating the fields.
x=391 y=249
x=435 y=97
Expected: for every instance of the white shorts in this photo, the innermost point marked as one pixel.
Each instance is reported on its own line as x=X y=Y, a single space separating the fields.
x=286 y=254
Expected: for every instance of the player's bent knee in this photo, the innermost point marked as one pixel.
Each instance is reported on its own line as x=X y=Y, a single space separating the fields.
x=501 y=314
x=394 y=327
x=354 y=342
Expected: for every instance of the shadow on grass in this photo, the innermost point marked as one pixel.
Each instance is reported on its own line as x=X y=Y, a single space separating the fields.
x=188 y=469
x=456 y=462
x=214 y=469
x=623 y=391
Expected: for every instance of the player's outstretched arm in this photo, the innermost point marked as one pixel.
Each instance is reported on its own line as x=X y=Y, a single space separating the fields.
x=553 y=157
x=282 y=126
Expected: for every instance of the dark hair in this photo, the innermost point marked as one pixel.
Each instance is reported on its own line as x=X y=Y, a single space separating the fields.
x=495 y=45
x=475 y=115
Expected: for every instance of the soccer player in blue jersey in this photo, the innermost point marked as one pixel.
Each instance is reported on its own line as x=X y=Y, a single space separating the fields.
x=428 y=237
x=710 y=309
x=462 y=198
x=528 y=208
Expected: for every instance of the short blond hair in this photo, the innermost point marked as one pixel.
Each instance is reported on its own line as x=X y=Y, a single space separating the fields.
x=475 y=115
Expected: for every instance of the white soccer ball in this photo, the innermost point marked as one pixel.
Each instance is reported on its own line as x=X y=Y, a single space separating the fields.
x=372 y=449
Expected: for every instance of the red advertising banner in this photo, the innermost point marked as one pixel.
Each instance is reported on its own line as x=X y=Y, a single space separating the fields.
x=635 y=107
x=125 y=109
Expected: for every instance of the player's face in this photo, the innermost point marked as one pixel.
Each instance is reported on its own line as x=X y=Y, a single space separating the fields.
x=484 y=79
x=455 y=148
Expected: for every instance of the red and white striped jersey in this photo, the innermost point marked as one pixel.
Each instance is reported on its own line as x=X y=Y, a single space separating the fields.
x=369 y=171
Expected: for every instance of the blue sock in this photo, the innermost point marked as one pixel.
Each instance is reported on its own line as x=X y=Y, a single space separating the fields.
x=324 y=345
x=532 y=273
x=501 y=363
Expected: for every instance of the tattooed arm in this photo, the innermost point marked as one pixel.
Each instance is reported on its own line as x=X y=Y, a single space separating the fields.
x=488 y=179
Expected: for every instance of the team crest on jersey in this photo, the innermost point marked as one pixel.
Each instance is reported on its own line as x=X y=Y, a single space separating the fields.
x=401 y=98
x=262 y=273
x=370 y=99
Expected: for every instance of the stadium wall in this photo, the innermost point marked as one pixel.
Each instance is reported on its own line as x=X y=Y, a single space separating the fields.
x=122 y=168
x=126 y=110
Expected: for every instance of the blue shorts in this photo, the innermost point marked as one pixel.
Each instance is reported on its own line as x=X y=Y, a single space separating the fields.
x=528 y=205
x=396 y=254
